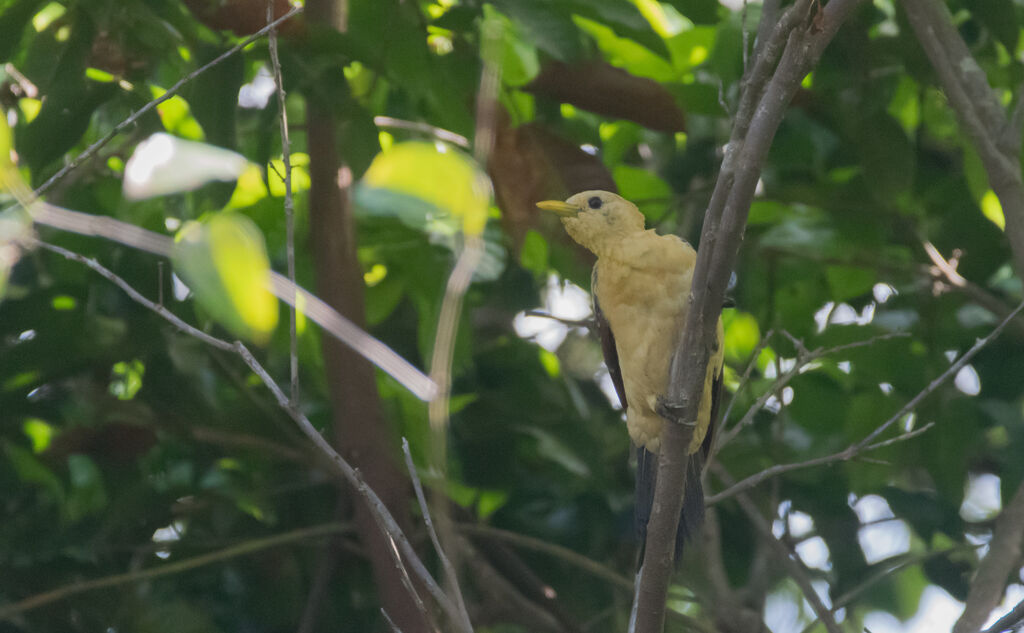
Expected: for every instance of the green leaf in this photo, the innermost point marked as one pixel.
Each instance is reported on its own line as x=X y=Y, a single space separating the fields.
x=846 y=282
x=742 y=334
x=417 y=182
x=1000 y=17
x=223 y=260
x=13 y=20
x=533 y=254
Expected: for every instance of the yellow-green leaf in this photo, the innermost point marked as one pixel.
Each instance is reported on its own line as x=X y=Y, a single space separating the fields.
x=224 y=261
x=418 y=181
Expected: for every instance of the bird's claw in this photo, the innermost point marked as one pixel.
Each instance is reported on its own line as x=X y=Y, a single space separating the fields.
x=671 y=411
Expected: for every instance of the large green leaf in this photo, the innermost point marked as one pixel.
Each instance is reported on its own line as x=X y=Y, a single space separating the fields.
x=223 y=260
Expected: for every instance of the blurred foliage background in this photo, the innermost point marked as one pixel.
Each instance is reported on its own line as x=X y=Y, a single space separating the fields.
x=128 y=445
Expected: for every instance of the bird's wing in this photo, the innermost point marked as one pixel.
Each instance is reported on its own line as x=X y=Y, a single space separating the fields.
x=611 y=354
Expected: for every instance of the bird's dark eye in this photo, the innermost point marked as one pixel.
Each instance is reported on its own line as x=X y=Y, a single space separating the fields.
x=594 y=203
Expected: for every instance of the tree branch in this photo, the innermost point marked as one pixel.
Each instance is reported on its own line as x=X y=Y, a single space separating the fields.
x=8 y=611
x=1003 y=556
x=977 y=107
x=789 y=558
x=289 y=203
x=724 y=222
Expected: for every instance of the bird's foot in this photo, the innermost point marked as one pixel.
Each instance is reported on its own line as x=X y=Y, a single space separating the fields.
x=671 y=411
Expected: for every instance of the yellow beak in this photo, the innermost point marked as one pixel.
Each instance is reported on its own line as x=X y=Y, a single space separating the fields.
x=563 y=209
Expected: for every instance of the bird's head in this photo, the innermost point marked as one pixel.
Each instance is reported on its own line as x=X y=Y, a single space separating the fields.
x=597 y=219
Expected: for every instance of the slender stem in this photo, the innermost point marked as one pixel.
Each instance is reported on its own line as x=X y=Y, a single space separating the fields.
x=289 y=205
x=7 y=611
x=449 y=569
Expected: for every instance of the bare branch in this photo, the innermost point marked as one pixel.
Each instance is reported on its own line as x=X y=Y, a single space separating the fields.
x=868 y=443
x=804 y=358
x=1002 y=559
x=946 y=375
x=787 y=557
x=846 y=454
x=248 y=547
x=449 y=570
x=424 y=128
x=978 y=109
x=289 y=204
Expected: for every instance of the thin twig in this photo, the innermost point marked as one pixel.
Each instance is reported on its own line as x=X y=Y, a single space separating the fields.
x=586 y=323
x=846 y=454
x=952 y=371
x=868 y=442
x=745 y=378
x=565 y=554
x=424 y=128
x=172 y=91
x=449 y=569
x=789 y=558
x=379 y=511
x=32 y=602
x=289 y=205
x=803 y=359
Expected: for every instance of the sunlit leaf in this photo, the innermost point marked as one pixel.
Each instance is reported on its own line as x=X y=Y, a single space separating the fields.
x=224 y=261
x=422 y=182
x=164 y=164
x=742 y=335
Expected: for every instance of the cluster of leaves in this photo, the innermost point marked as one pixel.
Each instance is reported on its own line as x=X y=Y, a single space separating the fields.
x=124 y=440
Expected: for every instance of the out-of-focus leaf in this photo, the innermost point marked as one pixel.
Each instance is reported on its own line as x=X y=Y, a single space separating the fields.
x=627 y=54
x=417 y=182
x=547 y=25
x=32 y=471
x=224 y=262
x=742 y=335
x=88 y=493
x=651 y=194
x=846 y=282
x=519 y=62
x=13 y=19
x=1000 y=17
x=163 y=164
x=905 y=105
x=701 y=11
x=176 y=115
x=887 y=157
x=533 y=254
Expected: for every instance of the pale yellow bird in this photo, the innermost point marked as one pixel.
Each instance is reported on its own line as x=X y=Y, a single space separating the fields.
x=641 y=286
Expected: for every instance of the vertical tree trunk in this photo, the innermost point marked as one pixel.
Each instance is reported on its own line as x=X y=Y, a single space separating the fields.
x=360 y=433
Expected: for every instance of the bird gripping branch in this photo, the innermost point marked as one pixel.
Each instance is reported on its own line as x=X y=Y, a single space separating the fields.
x=641 y=288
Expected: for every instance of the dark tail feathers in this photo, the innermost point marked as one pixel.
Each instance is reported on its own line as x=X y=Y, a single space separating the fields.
x=693 y=503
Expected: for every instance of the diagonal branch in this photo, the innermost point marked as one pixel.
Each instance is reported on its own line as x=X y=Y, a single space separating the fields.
x=977 y=107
